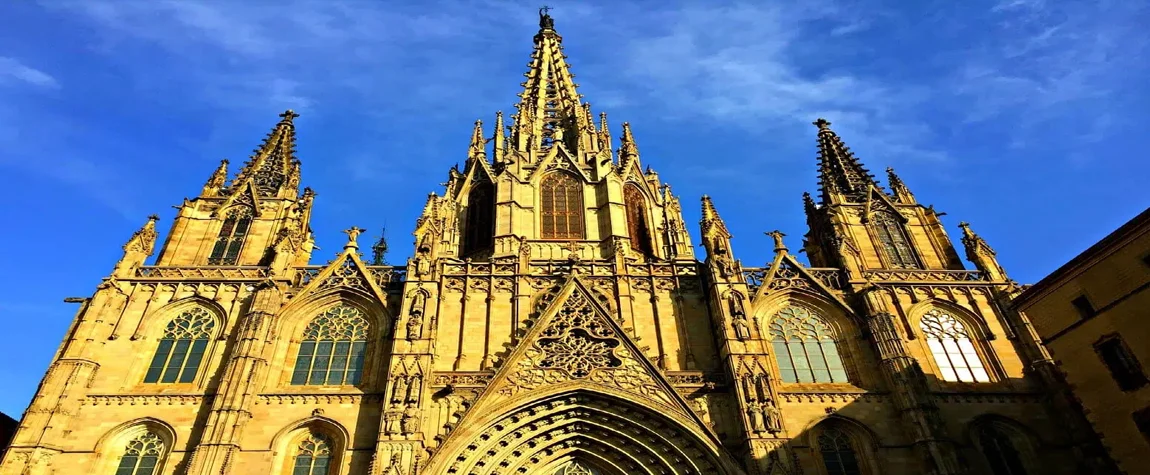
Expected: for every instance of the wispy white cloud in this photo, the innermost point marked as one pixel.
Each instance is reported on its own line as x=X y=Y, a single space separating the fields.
x=13 y=69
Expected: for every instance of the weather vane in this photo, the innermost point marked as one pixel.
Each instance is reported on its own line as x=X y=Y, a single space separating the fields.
x=545 y=10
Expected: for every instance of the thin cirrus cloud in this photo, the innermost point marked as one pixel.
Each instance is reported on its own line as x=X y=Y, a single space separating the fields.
x=15 y=70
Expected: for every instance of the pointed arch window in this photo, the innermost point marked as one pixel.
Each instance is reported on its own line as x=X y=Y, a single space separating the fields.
x=1000 y=451
x=231 y=238
x=637 y=227
x=952 y=347
x=480 y=222
x=805 y=347
x=332 y=349
x=142 y=455
x=561 y=200
x=181 y=350
x=313 y=456
x=893 y=240
x=839 y=457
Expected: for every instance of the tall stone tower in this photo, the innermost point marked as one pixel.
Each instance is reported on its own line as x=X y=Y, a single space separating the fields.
x=553 y=319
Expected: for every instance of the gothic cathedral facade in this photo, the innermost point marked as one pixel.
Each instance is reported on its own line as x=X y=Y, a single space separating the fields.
x=554 y=319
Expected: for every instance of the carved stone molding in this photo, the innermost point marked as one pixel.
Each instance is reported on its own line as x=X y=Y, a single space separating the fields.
x=147 y=400
x=270 y=399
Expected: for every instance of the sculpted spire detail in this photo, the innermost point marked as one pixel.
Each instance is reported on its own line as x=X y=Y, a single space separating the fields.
x=273 y=164
x=840 y=172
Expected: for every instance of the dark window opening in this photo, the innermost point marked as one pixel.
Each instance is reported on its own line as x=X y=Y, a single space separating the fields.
x=1000 y=452
x=561 y=206
x=1142 y=421
x=637 y=227
x=1084 y=307
x=1123 y=366
x=234 y=230
x=480 y=221
x=893 y=240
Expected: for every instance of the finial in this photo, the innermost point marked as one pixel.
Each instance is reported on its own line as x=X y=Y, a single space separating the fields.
x=153 y=218
x=352 y=234
x=379 y=250
x=822 y=123
x=778 y=237
x=288 y=115
x=545 y=20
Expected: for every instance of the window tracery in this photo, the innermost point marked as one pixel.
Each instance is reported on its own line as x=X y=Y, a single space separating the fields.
x=952 y=348
x=1000 y=451
x=893 y=240
x=637 y=227
x=480 y=219
x=332 y=349
x=576 y=468
x=839 y=457
x=805 y=348
x=230 y=240
x=313 y=456
x=561 y=206
x=142 y=455
x=181 y=350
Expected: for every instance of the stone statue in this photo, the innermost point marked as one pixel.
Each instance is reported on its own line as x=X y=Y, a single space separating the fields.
x=411 y=419
x=756 y=413
x=392 y=420
x=742 y=330
x=774 y=419
x=399 y=389
x=414 y=326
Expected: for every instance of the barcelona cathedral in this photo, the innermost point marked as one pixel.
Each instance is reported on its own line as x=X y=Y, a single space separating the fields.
x=554 y=319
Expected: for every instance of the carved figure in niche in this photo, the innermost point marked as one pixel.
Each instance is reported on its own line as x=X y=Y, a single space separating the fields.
x=414 y=388
x=410 y=419
x=774 y=418
x=399 y=390
x=414 y=326
x=392 y=420
x=756 y=413
x=735 y=301
x=742 y=330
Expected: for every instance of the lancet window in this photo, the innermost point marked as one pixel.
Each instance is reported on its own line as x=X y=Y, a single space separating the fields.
x=805 y=347
x=142 y=455
x=839 y=456
x=480 y=232
x=952 y=347
x=1000 y=452
x=332 y=349
x=181 y=350
x=893 y=240
x=230 y=240
x=561 y=199
x=637 y=226
x=313 y=456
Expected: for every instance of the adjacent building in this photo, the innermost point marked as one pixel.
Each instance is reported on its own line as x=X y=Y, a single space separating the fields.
x=554 y=319
x=1093 y=314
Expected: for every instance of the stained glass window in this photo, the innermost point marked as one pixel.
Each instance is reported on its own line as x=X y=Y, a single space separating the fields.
x=637 y=220
x=953 y=350
x=313 y=456
x=182 y=348
x=480 y=222
x=332 y=349
x=895 y=245
x=561 y=199
x=805 y=348
x=999 y=451
x=142 y=456
x=231 y=238
x=839 y=456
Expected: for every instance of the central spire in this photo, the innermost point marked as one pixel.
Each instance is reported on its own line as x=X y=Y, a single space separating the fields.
x=839 y=170
x=549 y=111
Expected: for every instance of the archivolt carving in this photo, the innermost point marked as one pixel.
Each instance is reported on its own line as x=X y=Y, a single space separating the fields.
x=626 y=438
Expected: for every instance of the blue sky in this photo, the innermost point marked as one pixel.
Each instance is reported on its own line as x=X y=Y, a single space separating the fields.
x=1024 y=117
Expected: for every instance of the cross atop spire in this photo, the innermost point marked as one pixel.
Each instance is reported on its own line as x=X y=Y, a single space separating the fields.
x=545 y=20
x=840 y=172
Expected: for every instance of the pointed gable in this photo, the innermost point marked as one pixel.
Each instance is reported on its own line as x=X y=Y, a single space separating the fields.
x=575 y=343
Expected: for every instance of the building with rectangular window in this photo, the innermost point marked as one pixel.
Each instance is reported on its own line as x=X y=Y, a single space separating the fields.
x=555 y=318
x=1093 y=315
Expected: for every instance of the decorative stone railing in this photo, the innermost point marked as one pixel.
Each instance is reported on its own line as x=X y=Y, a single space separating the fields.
x=202 y=273
x=386 y=277
x=916 y=275
x=789 y=277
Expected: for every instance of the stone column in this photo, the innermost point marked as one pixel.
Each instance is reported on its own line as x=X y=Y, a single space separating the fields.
x=238 y=387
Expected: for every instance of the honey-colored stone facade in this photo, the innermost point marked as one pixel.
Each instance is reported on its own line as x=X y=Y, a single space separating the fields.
x=554 y=319
x=1114 y=277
